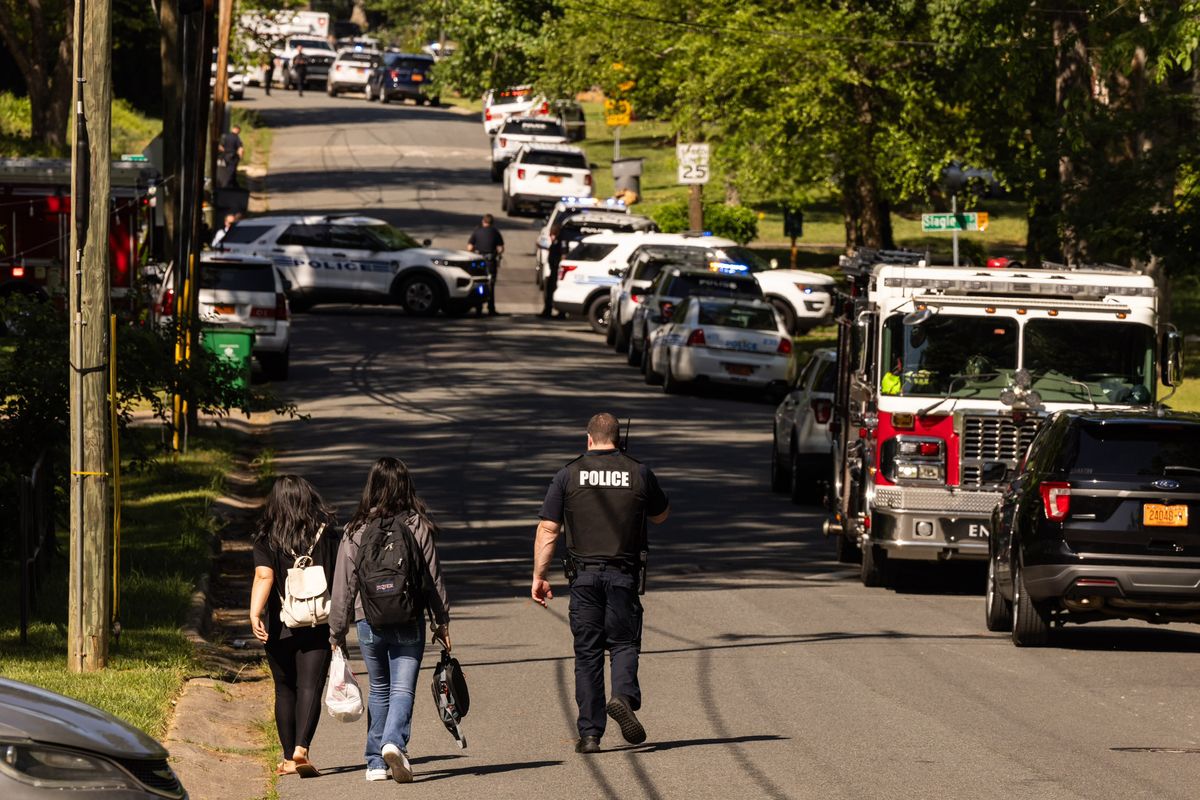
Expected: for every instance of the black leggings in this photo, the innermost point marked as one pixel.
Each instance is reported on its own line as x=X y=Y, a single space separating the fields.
x=299 y=664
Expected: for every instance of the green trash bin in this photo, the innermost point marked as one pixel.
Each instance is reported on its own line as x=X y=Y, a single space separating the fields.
x=234 y=345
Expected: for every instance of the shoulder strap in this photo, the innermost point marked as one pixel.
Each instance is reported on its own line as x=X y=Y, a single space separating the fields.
x=312 y=546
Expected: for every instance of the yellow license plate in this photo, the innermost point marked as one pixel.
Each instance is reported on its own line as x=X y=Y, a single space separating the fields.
x=1162 y=516
x=418 y=78
x=555 y=179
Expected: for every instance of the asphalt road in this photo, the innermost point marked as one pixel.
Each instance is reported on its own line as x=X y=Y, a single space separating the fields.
x=768 y=670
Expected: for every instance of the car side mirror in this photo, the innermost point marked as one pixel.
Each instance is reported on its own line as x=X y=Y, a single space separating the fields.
x=1171 y=358
x=426 y=242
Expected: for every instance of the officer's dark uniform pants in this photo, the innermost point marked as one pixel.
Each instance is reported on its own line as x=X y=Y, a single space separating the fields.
x=605 y=613
x=493 y=274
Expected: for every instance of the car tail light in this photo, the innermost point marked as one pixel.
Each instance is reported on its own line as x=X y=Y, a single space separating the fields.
x=487 y=115
x=822 y=409
x=520 y=174
x=396 y=76
x=785 y=347
x=18 y=272
x=503 y=141
x=666 y=308
x=564 y=269
x=166 y=306
x=696 y=339
x=587 y=180
x=545 y=108
x=636 y=298
x=281 y=307
x=1056 y=499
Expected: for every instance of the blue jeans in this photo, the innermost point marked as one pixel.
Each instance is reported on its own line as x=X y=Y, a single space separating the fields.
x=393 y=659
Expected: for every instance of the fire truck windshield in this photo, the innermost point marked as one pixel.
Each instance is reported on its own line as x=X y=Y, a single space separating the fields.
x=1113 y=360
x=958 y=356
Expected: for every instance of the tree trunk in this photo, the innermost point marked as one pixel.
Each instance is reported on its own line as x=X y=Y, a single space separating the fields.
x=172 y=83
x=1072 y=99
x=43 y=57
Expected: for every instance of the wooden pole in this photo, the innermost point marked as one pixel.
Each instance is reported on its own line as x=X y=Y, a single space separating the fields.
x=220 y=95
x=91 y=463
x=696 y=207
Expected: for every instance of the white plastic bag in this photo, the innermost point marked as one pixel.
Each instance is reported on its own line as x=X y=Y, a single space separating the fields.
x=343 y=698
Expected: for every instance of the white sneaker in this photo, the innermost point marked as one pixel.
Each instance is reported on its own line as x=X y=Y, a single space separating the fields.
x=378 y=775
x=397 y=759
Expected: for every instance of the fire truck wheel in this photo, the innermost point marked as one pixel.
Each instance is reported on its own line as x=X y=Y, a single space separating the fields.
x=779 y=474
x=874 y=566
x=1030 y=623
x=997 y=609
x=847 y=551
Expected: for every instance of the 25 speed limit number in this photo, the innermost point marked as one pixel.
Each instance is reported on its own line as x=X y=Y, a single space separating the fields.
x=693 y=163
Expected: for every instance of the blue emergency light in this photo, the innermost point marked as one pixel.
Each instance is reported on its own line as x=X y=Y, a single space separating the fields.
x=728 y=269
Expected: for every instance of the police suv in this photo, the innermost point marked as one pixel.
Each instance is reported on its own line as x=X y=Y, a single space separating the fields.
x=540 y=174
x=519 y=131
x=578 y=227
x=329 y=259
x=563 y=209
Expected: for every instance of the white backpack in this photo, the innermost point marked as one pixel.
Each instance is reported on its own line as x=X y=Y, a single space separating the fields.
x=306 y=592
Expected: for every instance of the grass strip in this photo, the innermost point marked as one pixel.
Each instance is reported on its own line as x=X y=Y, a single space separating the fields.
x=166 y=544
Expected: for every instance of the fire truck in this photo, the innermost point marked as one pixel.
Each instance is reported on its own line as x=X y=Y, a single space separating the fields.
x=944 y=376
x=36 y=219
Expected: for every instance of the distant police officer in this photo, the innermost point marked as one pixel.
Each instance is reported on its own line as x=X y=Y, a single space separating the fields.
x=604 y=497
x=487 y=241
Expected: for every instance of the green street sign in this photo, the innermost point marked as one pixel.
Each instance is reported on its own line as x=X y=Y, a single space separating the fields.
x=966 y=221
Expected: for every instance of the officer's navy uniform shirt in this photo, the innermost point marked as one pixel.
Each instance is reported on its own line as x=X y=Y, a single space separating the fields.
x=486 y=239
x=604 y=497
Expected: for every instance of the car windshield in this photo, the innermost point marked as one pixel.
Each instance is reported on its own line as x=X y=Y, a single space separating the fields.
x=390 y=238
x=1104 y=362
x=732 y=315
x=958 y=356
x=237 y=277
x=687 y=285
x=404 y=62
x=555 y=158
x=534 y=127
x=1134 y=448
x=311 y=44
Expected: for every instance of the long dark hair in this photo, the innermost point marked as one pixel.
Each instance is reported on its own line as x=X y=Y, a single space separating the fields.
x=389 y=492
x=292 y=515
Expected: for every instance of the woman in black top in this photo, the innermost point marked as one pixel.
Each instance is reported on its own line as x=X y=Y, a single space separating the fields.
x=294 y=519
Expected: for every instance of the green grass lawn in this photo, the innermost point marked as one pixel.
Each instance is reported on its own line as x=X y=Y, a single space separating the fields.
x=131 y=129
x=165 y=545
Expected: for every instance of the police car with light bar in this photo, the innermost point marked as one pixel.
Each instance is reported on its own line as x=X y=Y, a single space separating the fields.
x=329 y=259
x=563 y=209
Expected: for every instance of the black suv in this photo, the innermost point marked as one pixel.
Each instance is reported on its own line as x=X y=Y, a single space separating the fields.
x=1098 y=525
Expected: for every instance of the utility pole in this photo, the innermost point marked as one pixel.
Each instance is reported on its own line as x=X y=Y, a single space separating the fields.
x=220 y=95
x=696 y=207
x=88 y=597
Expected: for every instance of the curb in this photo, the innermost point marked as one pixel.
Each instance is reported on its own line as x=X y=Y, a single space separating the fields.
x=199 y=613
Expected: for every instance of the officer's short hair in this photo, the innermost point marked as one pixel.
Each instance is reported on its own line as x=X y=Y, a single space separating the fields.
x=604 y=428
x=488 y=219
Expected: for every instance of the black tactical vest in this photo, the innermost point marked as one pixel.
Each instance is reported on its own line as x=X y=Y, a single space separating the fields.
x=605 y=507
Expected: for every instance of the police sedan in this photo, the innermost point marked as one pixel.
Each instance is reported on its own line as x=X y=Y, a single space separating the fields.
x=728 y=340
x=329 y=259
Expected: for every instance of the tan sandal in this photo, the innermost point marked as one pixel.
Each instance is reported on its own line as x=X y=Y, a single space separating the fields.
x=305 y=768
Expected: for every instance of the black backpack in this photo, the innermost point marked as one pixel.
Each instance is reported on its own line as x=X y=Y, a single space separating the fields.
x=391 y=573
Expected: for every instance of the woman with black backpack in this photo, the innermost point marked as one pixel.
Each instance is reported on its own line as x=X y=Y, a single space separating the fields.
x=294 y=555
x=388 y=579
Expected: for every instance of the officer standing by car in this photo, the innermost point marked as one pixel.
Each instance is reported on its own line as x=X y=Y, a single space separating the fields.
x=604 y=499
x=299 y=69
x=553 y=259
x=487 y=241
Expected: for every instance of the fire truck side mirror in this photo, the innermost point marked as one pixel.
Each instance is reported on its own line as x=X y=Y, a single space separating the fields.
x=1171 y=358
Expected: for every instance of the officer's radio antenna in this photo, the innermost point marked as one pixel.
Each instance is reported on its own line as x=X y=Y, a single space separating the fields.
x=624 y=443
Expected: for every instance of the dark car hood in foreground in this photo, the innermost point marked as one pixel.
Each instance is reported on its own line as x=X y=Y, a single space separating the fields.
x=27 y=712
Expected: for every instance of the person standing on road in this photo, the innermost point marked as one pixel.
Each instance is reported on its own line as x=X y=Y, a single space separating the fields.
x=605 y=498
x=295 y=521
x=391 y=652
x=553 y=259
x=299 y=68
x=487 y=241
x=230 y=149
x=268 y=73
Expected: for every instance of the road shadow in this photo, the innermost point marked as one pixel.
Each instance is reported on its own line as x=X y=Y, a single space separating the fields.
x=1097 y=637
x=662 y=747
x=484 y=769
x=360 y=113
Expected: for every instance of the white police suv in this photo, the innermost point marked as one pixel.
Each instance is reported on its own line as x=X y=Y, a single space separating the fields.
x=330 y=259
x=520 y=131
x=563 y=209
x=540 y=174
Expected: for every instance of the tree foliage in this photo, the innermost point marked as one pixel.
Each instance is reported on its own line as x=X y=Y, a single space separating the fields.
x=38 y=35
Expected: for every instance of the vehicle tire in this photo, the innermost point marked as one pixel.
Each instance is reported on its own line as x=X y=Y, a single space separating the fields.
x=332 y=92
x=670 y=384
x=383 y=97
x=421 y=296
x=621 y=338
x=652 y=378
x=800 y=479
x=610 y=333
x=786 y=314
x=1030 y=623
x=633 y=355
x=298 y=305
x=597 y=313
x=780 y=479
x=847 y=551
x=503 y=198
x=275 y=365
x=435 y=101
x=874 y=566
x=367 y=93
x=997 y=609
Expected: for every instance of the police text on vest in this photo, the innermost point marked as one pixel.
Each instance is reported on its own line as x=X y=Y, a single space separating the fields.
x=603 y=477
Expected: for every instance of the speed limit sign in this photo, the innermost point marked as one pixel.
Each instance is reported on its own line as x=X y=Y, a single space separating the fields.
x=693 y=162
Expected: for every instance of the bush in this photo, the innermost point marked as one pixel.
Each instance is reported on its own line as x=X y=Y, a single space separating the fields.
x=730 y=222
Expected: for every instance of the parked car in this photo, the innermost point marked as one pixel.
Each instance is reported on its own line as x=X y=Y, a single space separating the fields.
x=336 y=259
x=403 y=76
x=571 y=115
x=801 y=444
x=577 y=227
x=563 y=209
x=500 y=104
x=52 y=746
x=350 y=71
x=540 y=174
x=1098 y=524
x=245 y=292
x=235 y=81
x=517 y=132
x=634 y=280
x=727 y=340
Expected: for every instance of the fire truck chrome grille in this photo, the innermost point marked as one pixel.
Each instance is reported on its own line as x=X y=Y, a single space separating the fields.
x=991 y=439
x=942 y=501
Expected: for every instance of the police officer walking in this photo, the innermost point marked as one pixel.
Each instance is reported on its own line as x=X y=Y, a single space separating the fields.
x=487 y=241
x=604 y=499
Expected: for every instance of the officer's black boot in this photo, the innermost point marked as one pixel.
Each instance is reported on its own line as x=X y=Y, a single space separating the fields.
x=622 y=713
x=588 y=744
